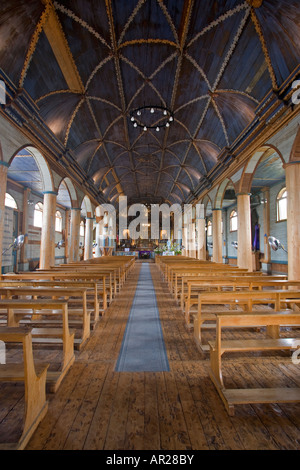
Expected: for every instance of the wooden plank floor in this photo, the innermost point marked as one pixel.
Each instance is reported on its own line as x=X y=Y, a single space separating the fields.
x=99 y=409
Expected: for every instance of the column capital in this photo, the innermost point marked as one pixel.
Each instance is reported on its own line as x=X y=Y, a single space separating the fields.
x=243 y=194
x=288 y=164
x=50 y=192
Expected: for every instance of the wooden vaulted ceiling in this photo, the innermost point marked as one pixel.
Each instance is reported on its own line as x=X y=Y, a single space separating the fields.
x=87 y=64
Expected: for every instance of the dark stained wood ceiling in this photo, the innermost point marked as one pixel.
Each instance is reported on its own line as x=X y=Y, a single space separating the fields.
x=87 y=64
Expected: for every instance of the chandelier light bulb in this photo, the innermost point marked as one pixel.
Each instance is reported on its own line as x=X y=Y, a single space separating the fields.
x=157 y=129
x=171 y=118
x=135 y=124
x=152 y=110
x=165 y=112
x=145 y=128
x=167 y=124
x=139 y=113
x=132 y=118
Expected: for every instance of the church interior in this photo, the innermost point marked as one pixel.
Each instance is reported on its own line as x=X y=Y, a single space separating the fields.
x=120 y=337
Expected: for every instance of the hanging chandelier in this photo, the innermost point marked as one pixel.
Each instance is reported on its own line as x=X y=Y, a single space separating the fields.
x=151 y=117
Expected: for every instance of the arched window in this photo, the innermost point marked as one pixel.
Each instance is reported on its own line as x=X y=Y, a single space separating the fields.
x=233 y=221
x=58 y=221
x=10 y=202
x=209 y=228
x=281 y=203
x=38 y=215
x=81 y=232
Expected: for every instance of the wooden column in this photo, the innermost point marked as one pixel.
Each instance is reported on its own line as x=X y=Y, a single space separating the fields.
x=201 y=239
x=47 y=253
x=217 y=235
x=3 y=181
x=292 y=174
x=23 y=256
x=192 y=240
x=266 y=212
x=184 y=240
x=88 y=240
x=67 y=234
x=244 y=232
x=74 y=234
x=98 y=240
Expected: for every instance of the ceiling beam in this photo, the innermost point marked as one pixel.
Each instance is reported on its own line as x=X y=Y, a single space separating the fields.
x=61 y=50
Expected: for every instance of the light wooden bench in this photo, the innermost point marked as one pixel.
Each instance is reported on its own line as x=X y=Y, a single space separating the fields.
x=202 y=270
x=279 y=299
x=90 y=286
x=180 y=282
x=111 y=283
x=16 y=309
x=103 y=278
x=83 y=313
x=178 y=286
x=63 y=276
x=120 y=269
x=219 y=347
x=195 y=285
x=34 y=378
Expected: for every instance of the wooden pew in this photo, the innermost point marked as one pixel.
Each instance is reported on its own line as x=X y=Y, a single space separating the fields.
x=180 y=275
x=196 y=285
x=121 y=267
x=104 y=278
x=55 y=293
x=114 y=281
x=203 y=270
x=16 y=309
x=219 y=347
x=34 y=378
x=90 y=286
x=63 y=276
x=246 y=299
x=182 y=288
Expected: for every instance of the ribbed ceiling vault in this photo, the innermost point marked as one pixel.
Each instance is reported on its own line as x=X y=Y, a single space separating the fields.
x=87 y=64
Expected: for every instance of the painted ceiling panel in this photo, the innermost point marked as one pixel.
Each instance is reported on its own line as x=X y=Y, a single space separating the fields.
x=251 y=74
x=212 y=127
x=90 y=14
x=192 y=85
x=83 y=127
x=88 y=51
x=18 y=21
x=211 y=48
x=150 y=21
x=57 y=110
x=40 y=81
x=280 y=26
x=237 y=112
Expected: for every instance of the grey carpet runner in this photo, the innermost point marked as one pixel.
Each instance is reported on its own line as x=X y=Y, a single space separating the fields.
x=143 y=348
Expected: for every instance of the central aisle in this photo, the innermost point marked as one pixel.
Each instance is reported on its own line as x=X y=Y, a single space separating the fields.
x=143 y=348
